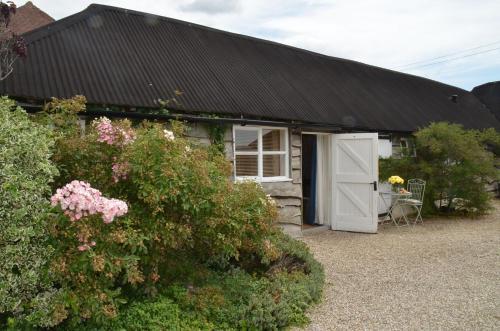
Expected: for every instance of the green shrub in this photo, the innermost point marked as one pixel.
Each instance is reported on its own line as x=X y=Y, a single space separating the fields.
x=240 y=300
x=454 y=162
x=26 y=290
x=158 y=315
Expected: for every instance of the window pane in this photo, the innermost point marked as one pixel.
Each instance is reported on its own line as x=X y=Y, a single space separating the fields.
x=246 y=165
x=273 y=140
x=274 y=165
x=246 y=140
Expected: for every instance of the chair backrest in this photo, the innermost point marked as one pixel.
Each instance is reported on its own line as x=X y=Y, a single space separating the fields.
x=417 y=188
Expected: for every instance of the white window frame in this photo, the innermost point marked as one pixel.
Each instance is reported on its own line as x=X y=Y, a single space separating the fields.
x=260 y=154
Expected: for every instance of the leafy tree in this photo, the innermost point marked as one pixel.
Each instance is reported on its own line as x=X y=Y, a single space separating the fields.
x=12 y=46
x=490 y=138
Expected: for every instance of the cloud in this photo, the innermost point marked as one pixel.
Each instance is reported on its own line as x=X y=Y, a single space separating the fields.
x=212 y=6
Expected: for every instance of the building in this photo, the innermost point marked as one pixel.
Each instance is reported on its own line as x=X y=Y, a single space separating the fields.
x=28 y=17
x=305 y=125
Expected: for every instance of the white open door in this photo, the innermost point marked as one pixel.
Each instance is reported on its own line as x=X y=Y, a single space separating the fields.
x=355 y=179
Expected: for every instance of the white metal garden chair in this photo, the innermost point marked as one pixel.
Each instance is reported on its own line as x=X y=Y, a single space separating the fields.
x=416 y=200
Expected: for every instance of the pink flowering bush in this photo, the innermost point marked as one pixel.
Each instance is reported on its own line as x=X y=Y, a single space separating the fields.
x=85 y=221
x=179 y=211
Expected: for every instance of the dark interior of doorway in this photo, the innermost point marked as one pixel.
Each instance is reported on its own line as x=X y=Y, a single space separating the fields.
x=309 y=153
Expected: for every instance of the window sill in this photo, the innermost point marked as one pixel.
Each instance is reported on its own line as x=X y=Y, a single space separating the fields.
x=275 y=179
x=264 y=179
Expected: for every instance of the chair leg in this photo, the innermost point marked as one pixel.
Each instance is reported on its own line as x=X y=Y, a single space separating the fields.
x=403 y=215
x=416 y=217
x=391 y=215
x=394 y=220
x=419 y=215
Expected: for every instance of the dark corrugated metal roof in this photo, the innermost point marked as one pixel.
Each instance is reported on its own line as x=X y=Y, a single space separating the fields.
x=115 y=56
x=489 y=94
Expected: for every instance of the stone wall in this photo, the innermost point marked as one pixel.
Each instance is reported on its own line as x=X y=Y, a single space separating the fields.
x=199 y=133
x=288 y=194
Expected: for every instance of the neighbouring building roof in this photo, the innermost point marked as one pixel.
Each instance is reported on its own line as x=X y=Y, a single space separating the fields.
x=489 y=94
x=28 y=17
x=115 y=56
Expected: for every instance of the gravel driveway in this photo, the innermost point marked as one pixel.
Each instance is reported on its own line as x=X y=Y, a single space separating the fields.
x=444 y=274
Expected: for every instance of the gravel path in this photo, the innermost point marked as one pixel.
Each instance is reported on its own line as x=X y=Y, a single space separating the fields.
x=442 y=275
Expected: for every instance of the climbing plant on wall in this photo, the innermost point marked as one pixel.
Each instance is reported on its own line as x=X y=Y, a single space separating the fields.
x=216 y=133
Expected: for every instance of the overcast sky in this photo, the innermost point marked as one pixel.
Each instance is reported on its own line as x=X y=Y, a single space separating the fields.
x=386 y=33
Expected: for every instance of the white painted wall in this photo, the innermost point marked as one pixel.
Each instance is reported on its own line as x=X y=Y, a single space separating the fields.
x=384 y=148
x=384 y=200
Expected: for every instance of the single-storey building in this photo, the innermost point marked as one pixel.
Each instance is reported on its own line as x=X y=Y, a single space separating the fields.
x=309 y=127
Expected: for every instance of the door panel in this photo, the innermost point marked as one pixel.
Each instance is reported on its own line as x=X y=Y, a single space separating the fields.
x=355 y=168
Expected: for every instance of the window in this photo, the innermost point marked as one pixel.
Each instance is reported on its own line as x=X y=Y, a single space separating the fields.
x=261 y=153
x=407 y=147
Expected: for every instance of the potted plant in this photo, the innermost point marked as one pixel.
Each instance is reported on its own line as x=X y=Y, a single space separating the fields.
x=396 y=183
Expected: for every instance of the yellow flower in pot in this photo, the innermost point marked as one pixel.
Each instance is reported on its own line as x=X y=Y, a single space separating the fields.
x=396 y=181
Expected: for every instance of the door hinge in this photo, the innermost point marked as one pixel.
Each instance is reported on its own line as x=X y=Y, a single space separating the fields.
x=375 y=185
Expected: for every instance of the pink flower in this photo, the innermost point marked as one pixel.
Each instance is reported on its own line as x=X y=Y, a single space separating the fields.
x=107 y=133
x=120 y=171
x=105 y=130
x=83 y=248
x=78 y=199
x=128 y=136
x=111 y=208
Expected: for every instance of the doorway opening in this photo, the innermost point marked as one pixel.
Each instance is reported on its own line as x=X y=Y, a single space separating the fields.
x=316 y=179
x=309 y=178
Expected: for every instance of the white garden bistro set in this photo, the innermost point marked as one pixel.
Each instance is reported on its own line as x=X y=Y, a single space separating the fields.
x=404 y=201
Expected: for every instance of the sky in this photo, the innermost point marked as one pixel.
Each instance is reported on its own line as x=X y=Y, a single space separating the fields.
x=452 y=41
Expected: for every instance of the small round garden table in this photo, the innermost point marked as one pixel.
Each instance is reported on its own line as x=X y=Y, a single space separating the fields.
x=396 y=198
